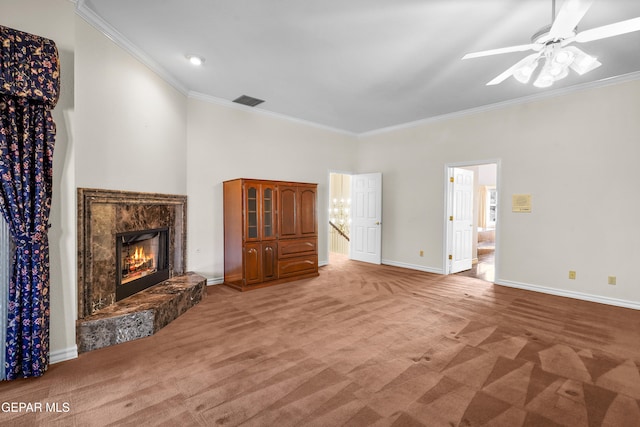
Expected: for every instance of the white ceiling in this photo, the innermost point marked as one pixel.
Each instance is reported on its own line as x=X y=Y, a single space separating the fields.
x=353 y=65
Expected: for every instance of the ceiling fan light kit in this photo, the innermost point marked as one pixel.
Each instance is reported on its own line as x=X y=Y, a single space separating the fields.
x=551 y=44
x=523 y=73
x=558 y=60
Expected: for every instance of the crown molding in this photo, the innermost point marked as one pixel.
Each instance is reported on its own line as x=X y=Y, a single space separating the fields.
x=119 y=39
x=226 y=103
x=105 y=28
x=512 y=102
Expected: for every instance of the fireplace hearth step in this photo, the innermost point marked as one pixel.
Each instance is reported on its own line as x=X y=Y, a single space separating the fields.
x=142 y=314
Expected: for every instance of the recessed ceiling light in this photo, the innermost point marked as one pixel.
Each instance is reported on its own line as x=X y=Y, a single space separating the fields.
x=195 y=59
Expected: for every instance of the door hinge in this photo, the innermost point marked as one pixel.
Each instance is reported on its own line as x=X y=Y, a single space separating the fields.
x=451 y=179
x=450 y=257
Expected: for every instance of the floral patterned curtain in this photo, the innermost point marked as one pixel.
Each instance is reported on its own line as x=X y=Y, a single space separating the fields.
x=29 y=88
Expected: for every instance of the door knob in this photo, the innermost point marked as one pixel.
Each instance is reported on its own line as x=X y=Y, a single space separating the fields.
x=377 y=222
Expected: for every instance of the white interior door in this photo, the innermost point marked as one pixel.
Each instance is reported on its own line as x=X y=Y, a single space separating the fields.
x=366 y=218
x=461 y=220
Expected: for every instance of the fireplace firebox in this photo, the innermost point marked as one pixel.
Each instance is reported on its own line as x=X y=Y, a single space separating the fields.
x=142 y=260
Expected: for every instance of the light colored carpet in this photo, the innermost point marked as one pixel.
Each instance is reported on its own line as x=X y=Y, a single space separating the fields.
x=360 y=345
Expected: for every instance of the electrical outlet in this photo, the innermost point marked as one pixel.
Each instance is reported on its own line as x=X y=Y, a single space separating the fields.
x=421 y=253
x=611 y=280
x=572 y=275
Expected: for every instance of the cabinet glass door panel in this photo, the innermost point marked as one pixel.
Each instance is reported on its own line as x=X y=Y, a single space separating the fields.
x=252 y=213
x=268 y=213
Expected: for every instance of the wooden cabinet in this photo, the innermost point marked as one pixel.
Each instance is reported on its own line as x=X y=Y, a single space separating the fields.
x=270 y=232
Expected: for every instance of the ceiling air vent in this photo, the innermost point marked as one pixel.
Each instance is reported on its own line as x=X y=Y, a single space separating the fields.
x=248 y=100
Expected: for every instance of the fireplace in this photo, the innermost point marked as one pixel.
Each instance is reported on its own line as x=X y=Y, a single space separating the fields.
x=141 y=260
x=104 y=218
x=129 y=240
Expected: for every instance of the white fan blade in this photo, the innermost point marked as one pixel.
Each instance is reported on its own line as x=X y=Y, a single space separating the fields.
x=568 y=17
x=519 y=48
x=504 y=76
x=622 y=27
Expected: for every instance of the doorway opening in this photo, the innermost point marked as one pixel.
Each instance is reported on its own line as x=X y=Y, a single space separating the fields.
x=473 y=253
x=339 y=214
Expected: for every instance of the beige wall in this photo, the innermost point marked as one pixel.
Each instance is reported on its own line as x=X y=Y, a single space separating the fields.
x=574 y=153
x=226 y=143
x=130 y=126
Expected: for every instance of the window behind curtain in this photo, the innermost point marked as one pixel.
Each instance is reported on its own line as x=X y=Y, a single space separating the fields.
x=5 y=276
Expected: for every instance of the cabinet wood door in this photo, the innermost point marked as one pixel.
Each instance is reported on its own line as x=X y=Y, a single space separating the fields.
x=297 y=213
x=252 y=263
x=307 y=212
x=288 y=211
x=269 y=261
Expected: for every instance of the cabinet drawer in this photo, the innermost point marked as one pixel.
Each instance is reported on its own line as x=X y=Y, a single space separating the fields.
x=297 y=247
x=296 y=266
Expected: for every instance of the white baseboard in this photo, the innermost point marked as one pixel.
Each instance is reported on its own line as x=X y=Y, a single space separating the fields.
x=508 y=283
x=412 y=266
x=64 y=354
x=571 y=294
x=536 y=288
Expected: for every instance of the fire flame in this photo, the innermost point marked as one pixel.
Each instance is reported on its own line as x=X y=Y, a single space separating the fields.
x=139 y=254
x=138 y=259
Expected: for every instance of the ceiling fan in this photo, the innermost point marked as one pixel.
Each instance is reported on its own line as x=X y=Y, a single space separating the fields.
x=551 y=43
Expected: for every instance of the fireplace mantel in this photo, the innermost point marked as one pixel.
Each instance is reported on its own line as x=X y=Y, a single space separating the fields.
x=104 y=213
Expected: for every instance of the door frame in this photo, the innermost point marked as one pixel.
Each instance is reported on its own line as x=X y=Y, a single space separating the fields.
x=448 y=168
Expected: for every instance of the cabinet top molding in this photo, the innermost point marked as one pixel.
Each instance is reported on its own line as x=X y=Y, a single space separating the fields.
x=272 y=181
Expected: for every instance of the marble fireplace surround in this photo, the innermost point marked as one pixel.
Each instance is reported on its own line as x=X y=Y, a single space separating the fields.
x=103 y=321
x=104 y=213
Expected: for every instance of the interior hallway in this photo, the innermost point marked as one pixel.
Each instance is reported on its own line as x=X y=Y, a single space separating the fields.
x=484 y=269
